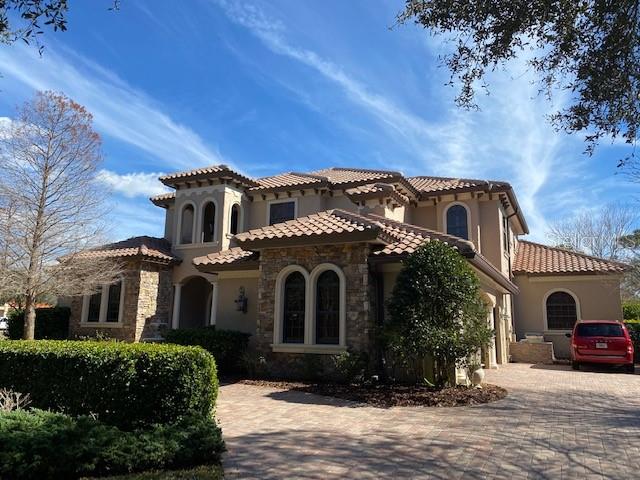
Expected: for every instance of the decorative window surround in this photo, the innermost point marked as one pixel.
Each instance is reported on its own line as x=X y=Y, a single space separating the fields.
x=104 y=304
x=546 y=296
x=309 y=345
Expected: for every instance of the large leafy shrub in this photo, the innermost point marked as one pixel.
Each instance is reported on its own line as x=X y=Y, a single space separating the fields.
x=436 y=310
x=227 y=346
x=51 y=323
x=39 y=444
x=123 y=384
x=634 y=331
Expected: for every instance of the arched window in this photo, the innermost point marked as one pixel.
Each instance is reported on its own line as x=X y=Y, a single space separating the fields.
x=457 y=221
x=294 y=303
x=562 y=312
x=186 y=224
x=328 y=308
x=209 y=222
x=235 y=219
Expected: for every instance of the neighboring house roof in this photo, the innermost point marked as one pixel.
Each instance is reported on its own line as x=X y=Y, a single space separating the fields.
x=536 y=259
x=207 y=173
x=146 y=248
x=396 y=240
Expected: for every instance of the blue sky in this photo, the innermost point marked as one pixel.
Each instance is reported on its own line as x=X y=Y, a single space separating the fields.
x=273 y=86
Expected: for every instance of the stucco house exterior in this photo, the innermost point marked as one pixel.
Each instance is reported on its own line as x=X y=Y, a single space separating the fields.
x=305 y=261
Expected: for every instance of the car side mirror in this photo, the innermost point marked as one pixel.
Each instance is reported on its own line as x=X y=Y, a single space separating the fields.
x=568 y=335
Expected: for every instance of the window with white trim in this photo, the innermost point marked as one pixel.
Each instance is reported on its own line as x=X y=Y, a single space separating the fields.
x=105 y=306
x=457 y=221
x=293 y=308
x=310 y=308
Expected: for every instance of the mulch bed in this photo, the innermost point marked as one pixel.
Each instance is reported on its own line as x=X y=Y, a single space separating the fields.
x=390 y=395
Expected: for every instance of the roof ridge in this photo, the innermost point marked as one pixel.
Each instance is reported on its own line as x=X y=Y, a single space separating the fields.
x=573 y=252
x=464 y=179
x=367 y=170
x=415 y=228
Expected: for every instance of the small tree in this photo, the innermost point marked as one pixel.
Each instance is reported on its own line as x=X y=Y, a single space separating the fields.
x=436 y=310
x=51 y=206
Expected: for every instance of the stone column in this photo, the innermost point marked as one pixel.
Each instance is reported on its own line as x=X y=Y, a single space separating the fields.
x=175 y=318
x=214 y=301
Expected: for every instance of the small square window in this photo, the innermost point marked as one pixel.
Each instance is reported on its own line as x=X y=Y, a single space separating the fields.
x=281 y=212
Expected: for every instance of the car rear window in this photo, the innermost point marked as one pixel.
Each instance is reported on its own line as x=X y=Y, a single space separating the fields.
x=599 y=330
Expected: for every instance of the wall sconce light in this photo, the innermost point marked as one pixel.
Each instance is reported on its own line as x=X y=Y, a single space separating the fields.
x=241 y=301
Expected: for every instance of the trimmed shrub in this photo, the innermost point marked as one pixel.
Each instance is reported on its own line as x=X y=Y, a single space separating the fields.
x=226 y=346
x=39 y=444
x=51 y=323
x=631 y=310
x=123 y=384
x=634 y=330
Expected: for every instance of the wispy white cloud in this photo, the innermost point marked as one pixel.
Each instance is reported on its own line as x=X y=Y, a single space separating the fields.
x=508 y=138
x=119 y=110
x=137 y=184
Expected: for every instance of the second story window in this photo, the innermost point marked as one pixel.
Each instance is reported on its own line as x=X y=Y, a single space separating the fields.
x=235 y=219
x=281 y=212
x=186 y=224
x=506 y=244
x=457 y=221
x=209 y=222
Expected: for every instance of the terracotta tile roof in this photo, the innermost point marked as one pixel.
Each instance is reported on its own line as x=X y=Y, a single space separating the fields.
x=213 y=171
x=534 y=258
x=330 y=223
x=148 y=248
x=407 y=238
x=443 y=184
x=163 y=199
x=339 y=175
x=232 y=256
x=291 y=179
x=376 y=190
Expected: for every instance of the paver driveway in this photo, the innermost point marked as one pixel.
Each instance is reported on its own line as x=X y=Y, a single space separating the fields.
x=555 y=424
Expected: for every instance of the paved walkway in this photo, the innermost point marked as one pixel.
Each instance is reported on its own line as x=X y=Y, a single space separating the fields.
x=555 y=424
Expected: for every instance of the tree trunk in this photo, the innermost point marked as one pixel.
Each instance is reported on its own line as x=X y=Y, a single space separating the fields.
x=29 y=320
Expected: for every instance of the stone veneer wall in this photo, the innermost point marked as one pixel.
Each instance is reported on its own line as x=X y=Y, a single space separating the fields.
x=147 y=297
x=352 y=259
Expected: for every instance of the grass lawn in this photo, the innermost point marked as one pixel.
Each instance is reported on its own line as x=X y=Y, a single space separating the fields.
x=203 y=472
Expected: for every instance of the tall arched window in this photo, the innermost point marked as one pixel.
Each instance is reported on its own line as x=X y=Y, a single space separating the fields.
x=235 y=219
x=457 y=221
x=209 y=222
x=294 y=303
x=328 y=308
x=186 y=224
x=562 y=312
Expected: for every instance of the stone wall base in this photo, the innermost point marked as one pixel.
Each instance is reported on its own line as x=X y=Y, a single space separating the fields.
x=526 y=352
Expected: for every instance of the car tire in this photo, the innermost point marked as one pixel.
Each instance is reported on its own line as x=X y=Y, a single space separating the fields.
x=631 y=368
x=575 y=365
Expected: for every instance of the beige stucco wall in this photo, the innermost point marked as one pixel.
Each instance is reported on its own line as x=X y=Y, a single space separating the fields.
x=598 y=299
x=228 y=317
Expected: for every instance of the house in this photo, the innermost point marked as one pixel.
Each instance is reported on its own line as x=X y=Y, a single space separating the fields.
x=305 y=261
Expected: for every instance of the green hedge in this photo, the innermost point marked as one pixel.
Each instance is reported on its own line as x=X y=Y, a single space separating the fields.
x=631 y=310
x=51 y=323
x=38 y=444
x=123 y=384
x=226 y=346
x=634 y=330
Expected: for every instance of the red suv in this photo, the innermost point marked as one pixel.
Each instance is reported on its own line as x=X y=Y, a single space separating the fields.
x=601 y=341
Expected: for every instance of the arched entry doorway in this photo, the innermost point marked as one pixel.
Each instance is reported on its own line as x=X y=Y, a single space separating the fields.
x=195 y=303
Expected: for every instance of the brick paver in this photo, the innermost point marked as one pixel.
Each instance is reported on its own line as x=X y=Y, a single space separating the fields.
x=555 y=424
